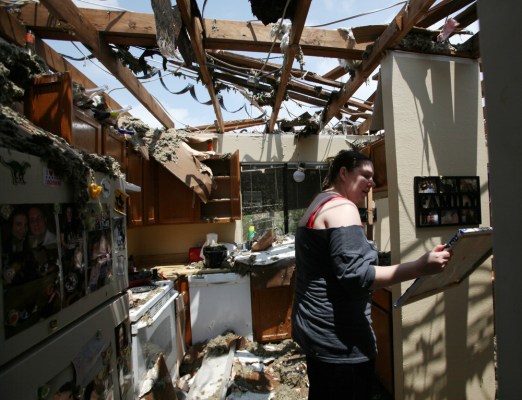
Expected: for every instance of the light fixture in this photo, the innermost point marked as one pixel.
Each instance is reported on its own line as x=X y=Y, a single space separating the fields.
x=299 y=174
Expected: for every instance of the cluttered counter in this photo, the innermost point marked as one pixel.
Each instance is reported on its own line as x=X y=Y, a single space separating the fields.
x=236 y=260
x=250 y=292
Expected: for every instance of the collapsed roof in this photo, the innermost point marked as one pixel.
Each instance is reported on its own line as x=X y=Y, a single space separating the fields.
x=214 y=50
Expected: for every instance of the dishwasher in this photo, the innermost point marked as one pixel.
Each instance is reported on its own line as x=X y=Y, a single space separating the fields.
x=219 y=302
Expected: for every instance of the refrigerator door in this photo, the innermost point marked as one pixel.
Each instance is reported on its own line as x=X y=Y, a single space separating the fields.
x=56 y=262
x=219 y=302
x=87 y=359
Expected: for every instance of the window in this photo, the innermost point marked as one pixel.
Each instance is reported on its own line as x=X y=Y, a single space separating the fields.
x=271 y=199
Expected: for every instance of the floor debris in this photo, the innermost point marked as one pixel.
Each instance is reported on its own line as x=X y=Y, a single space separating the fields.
x=259 y=371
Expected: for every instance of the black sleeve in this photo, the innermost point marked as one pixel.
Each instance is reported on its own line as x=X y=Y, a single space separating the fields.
x=352 y=258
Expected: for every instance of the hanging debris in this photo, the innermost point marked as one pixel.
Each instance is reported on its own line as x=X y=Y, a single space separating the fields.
x=269 y=11
x=18 y=133
x=17 y=68
x=168 y=26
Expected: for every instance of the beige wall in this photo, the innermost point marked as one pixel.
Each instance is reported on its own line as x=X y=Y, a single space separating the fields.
x=499 y=26
x=443 y=345
x=169 y=239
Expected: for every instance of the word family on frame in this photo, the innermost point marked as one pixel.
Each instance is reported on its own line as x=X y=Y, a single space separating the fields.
x=447 y=200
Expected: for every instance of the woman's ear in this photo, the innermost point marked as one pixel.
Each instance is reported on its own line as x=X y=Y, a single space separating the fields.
x=343 y=172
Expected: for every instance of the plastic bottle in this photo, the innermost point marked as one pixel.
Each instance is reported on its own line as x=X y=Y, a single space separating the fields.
x=251 y=232
x=29 y=43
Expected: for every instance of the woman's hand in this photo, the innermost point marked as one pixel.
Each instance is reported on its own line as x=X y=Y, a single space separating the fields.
x=434 y=262
x=430 y=263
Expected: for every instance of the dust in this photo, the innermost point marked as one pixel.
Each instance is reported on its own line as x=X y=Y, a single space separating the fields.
x=74 y=167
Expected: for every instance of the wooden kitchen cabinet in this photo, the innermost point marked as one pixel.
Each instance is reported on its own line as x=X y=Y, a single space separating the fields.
x=224 y=203
x=148 y=190
x=382 y=326
x=48 y=103
x=86 y=133
x=177 y=203
x=272 y=296
x=135 y=199
x=114 y=145
x=165 y=199
x=141 y=205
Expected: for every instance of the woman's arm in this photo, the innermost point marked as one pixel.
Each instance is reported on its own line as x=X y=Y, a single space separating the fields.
x=430 y=263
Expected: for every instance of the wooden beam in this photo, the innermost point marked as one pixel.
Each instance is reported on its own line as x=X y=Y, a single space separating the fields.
x=441 y=11
x=249 y=62
x=13 y=31
x=139 y=29
x=293 y=47
x=255 y=37
x=335 y=73
x=193 y=24
x=396 y=31
x=88 y=35
x=229 y=125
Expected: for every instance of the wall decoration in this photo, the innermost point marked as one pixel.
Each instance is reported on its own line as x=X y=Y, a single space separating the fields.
x=447 y=200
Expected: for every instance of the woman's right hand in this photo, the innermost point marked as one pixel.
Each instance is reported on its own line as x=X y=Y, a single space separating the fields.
x=434 y=262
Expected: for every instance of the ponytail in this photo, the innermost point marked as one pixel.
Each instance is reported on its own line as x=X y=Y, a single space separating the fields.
x=350 y=159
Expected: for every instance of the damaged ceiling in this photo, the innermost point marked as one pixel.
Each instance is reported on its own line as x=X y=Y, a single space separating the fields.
x=226 y=53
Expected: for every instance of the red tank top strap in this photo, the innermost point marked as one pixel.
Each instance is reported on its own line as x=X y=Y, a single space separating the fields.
x=311 y=220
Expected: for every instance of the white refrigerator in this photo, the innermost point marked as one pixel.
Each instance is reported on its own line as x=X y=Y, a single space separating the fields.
x=64 y=311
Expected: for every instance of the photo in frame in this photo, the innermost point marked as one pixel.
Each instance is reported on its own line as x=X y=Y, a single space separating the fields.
x=447 y=200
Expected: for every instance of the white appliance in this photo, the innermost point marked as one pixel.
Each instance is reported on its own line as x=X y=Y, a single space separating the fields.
x=75 y=362
x=58 y=266
x=219 y=302
x=153 y=327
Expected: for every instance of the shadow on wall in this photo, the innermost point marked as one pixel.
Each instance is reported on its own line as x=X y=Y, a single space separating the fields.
x=465 y=327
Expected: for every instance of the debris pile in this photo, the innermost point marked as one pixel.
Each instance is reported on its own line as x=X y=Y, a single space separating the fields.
x=268 y=371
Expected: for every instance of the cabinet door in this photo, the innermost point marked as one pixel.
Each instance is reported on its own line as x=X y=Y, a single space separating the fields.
x=176 y=202
x=383 y=328
x=224 y=203
x=235 y=186
x=149 y=191
x=272 y=293
x=48 y=104
x=86 y=133
x=135 y=176
x=114 y=146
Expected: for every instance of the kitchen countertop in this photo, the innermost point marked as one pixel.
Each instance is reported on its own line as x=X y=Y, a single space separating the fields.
x=281 y=255
x=173 y=271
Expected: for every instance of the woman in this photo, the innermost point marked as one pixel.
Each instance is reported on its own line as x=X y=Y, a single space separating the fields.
x=336 y=273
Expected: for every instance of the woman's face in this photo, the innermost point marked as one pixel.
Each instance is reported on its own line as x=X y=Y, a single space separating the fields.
x=20 y=226
x=359 y=182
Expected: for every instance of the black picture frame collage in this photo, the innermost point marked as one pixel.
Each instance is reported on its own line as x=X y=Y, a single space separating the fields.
x=447 y=200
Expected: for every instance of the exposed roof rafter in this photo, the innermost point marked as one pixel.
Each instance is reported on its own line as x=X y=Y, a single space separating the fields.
x=193 y=24
x=403 y=22
x=66 y=10
x=221 y=40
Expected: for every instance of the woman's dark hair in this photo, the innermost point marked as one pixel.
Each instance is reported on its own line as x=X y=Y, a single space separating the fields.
x=350 y=159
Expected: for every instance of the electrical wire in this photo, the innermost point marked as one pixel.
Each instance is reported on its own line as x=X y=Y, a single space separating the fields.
x=358 y=15
x=275 y=37
x=86 y=58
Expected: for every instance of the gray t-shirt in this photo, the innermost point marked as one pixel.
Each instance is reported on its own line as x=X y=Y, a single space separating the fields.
x=331 y=318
